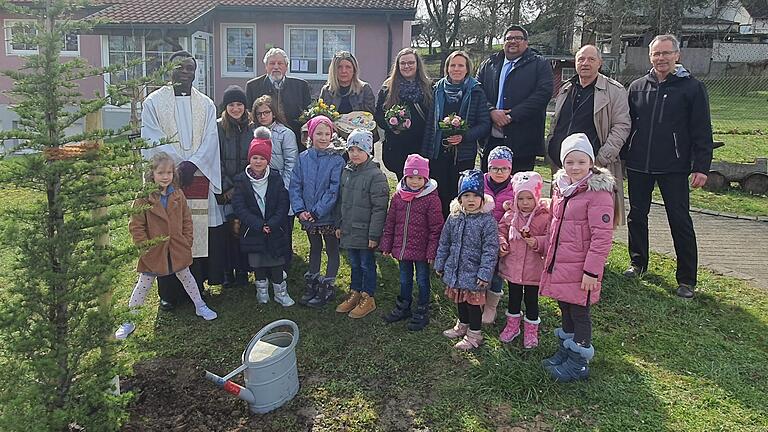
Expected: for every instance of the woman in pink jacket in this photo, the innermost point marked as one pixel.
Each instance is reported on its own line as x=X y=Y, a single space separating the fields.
x=522 y=244
x=579 y=242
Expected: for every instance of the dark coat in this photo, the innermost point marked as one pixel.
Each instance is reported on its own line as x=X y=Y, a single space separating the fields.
x=412 y=229
x=292 y=99
x=671 y=125
x=363 y=101
x=234 y=152
x=364 y=195
x=252 y=237
x=397 y=147
x=174 y=222
x=527 y=91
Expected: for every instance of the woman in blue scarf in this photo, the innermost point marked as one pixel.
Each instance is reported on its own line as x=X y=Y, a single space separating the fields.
x=456 y=93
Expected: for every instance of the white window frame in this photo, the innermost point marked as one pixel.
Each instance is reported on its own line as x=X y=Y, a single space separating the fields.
x=8 y=25
x=223 y=49
x=322 y=75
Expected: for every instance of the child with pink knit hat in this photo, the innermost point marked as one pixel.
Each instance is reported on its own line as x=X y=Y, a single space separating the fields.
x=411 y=235
x=522 y=245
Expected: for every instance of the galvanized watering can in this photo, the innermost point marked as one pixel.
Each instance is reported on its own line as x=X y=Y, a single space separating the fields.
x=269 y=369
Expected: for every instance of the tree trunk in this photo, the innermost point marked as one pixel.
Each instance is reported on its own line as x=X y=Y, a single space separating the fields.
x=516 y=12
x=616 y=23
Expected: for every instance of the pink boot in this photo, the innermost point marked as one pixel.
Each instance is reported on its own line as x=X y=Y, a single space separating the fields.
x=459 y=330
x=531 y=333
x=472 y=340
x=512 y=329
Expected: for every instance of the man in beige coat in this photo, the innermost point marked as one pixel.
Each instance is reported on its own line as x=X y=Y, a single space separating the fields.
x=596 y=105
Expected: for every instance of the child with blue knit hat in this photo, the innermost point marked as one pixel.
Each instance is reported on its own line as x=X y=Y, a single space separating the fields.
x=466 y=257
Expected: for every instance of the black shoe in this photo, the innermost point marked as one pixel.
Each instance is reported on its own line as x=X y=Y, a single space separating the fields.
x=401 y=311
x=326 y=292
x=241 y=278
x=310 y=290
x=634 y=272
x=685 y=291
x=420 y=318
x=229 y=280
x=166 y=305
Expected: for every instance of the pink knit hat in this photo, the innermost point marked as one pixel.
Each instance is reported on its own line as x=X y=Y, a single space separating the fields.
x=415 y=165
x=261 y=144
x=528 y=181
x=315 y=121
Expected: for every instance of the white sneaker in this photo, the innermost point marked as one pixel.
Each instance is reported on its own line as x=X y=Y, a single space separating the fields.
x=125 y=330
x=207 y=313
x=281 y=294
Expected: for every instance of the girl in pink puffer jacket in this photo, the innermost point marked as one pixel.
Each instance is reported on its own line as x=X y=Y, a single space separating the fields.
x=579 y=242
x=522 y=244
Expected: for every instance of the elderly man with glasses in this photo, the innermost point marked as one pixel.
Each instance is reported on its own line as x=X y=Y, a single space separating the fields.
x=290 y=95
x=670 y=141
x=518 y=85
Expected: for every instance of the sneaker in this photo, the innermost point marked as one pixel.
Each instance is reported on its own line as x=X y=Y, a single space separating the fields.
x=125 y=330
x=685 y=291
x=633 y=272
x=206 y=312
x=366 y=305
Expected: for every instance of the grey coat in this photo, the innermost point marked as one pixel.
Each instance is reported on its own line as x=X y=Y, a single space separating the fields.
x=469 y=247
x=364 y=196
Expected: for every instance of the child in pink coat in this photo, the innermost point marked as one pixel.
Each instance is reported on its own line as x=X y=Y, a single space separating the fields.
x=522 y=244
x=579 y=242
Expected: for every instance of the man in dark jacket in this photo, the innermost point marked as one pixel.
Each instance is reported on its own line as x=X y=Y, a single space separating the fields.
x=517 y=99
x=291 y=95
x=671 y=138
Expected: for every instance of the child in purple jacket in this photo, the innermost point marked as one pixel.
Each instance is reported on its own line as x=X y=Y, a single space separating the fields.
x=411 y=235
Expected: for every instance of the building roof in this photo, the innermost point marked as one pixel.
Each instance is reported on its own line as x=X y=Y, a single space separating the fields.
x=181 y=12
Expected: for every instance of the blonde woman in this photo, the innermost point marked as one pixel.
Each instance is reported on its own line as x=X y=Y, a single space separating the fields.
x=344 y=88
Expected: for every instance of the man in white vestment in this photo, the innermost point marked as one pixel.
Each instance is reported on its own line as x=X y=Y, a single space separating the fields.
x=181 y=121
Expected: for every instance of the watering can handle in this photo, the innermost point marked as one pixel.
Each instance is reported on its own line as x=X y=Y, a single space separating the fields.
x=269 y=327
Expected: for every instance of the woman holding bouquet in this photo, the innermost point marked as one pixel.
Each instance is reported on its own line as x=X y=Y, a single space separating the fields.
x=451 y=146
x=402 y=108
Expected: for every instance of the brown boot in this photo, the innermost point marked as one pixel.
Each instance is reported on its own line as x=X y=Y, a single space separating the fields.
x=350 y=303
x=366 y=305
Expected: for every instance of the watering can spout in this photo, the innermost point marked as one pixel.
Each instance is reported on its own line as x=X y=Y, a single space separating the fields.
x=230 y=387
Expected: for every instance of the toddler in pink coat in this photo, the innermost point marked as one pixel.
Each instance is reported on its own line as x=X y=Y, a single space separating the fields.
x=522 y=244
x=579 y=242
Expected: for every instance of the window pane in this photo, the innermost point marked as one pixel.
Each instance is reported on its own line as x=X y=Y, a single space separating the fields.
x=239 y=49
x=122 y=50
x=70 y=42
x=19 y=32
x=334 y=41
x=303 y=48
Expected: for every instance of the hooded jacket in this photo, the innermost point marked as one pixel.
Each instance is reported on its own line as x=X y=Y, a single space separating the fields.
x=252 y=237
x=315 y=181
x=469 y=247
x=363 y=200
x=523 y=265
x=671 y=125
x=412 y=229
x=580 y=235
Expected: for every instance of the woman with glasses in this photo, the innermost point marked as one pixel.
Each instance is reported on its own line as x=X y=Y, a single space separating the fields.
x=451 y=153
x=284 y=151
x=407 y=85
x=344 y=88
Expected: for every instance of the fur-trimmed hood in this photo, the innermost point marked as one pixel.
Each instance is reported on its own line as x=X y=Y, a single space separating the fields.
x=488 y=205
x=601 y=180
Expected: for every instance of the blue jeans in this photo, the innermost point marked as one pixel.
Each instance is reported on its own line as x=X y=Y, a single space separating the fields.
x=497 y=284
x=422 y=278
x=363 y=272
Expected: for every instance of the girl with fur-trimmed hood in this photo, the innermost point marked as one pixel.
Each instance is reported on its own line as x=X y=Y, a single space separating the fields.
x=466 y=257
x=580 y=237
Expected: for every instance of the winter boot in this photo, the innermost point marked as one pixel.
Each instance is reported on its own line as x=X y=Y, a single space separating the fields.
x=575 y=368
x=310 y=290
x=349 y=303
x=420 y=318
x=262 y=291
x=562 y=352
x=366 y=305
x=531 y=333
x=489 y=311
x=472 y=340
x=459 y=330
x=512 y=329
x=401 y=311
x=326 y=292
x=281 y=294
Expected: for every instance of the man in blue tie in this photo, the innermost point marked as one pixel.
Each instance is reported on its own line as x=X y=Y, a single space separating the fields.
x=518 y=85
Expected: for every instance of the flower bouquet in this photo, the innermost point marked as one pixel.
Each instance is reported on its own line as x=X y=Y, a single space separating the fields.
x=452 y=125
x=317 y=108
x=398 y=118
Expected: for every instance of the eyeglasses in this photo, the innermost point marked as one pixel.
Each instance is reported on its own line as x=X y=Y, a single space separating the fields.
x=499 y=169
x=263 y=113
x=657 y=54
x=514 y=38
x=407 y=63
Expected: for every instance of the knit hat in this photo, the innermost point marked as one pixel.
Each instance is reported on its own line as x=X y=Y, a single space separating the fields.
x=234 y=93
x=472 y=181
x=528 y=181
x=261 y=144
x=576 y=142
x=312 y=124
x=415 y=165
x=500 y=156
x=361 y=139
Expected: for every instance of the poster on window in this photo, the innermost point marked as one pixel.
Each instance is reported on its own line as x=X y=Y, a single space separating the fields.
x=239 y=50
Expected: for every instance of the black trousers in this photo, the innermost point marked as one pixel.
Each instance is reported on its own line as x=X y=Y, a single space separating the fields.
x=676 y=195
x=446 y=172
x=470 y=314
x=519 y=163
x=524 y=293
x=577 y=320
